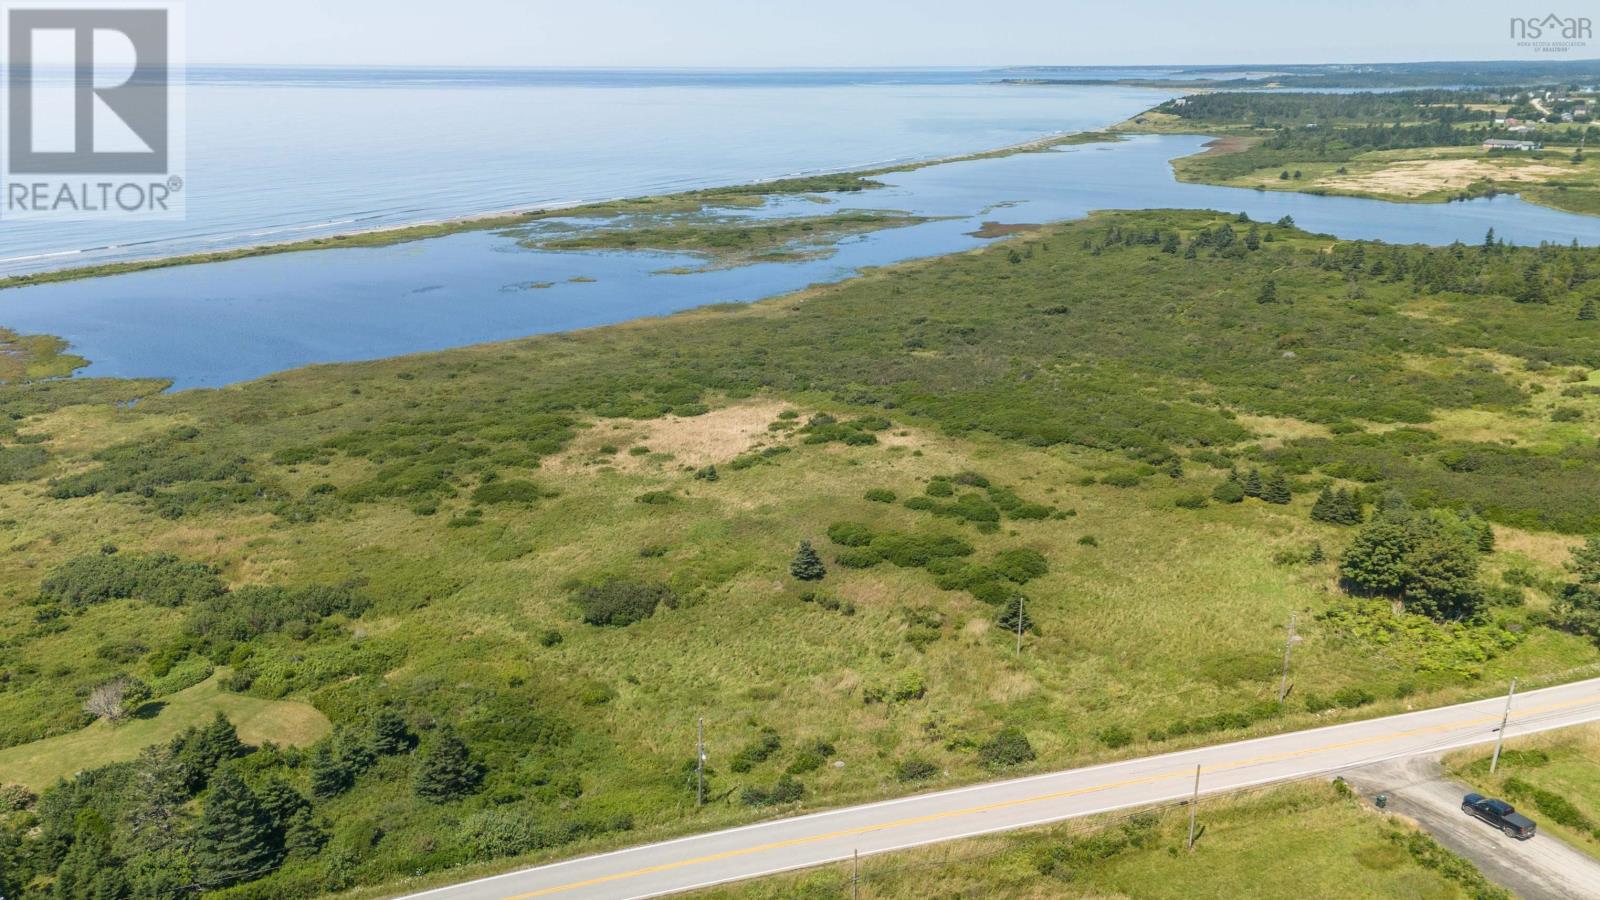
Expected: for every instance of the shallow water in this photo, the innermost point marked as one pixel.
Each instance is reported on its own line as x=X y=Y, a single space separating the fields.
x=225 y=322
x=285 y=154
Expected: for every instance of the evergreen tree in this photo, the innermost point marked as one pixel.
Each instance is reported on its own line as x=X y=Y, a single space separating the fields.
x=331 y=774
x=1325 y=506
x=1268 y=292
x=234 y=840
x=807 y=565
x=1532 y=288
x=1252 y=483
x=91 y=870
x=201 y=750
x=1488 y=240
x=1252 y=238
x=390 y=734
x=356 y=751
x=1014 y=608
x=282 y=803
x=1276 y=490
x=1586 y=312
x=1586 y=561
x=155 y=816
x=1286 y=222
x=1317 y=555
x=445 y=769
x=1170 y=245
x=304 y=837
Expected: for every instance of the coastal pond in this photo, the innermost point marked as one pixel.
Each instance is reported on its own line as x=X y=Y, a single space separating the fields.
x=219 y=323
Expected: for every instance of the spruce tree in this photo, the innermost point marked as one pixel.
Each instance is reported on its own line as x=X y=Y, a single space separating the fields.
x=1015 y=608
x=303 y=836
x=807 y=565
x=234 y=840
x=1326 y=506
x=1276 y=490
x=282 y=803
x=1347 y=508
x=1586 y=312
x=330 y=773
x=1268 y=292
x=390 y=734
x=445 y=769
x=1317 y=555
x=156 y=813
x=1252 y=483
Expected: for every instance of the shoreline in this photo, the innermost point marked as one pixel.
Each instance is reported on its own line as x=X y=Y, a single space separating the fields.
x=846 y=179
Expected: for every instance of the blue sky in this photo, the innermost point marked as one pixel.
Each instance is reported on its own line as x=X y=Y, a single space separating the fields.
x=851 y=32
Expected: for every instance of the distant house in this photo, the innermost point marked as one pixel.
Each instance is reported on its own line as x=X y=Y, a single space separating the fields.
x=1511 y=120
x=1520 y=129
x=1501 y=144
x=1181 y=101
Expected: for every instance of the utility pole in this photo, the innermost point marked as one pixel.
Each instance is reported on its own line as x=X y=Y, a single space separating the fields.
x=855 y=877
x=700 y=762
x=1194 y=807
x=1500 y=735
x=1288 y=646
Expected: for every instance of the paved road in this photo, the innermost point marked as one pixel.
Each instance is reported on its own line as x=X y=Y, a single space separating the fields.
x=1542 y=868
x=810 y=840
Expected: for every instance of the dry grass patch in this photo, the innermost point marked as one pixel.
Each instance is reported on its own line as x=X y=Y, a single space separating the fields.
x=1416 y=178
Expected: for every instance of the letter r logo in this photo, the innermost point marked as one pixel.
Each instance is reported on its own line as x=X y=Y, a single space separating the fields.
x=87 y=91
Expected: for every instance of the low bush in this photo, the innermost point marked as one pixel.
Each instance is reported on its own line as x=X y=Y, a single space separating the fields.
x=619 y=603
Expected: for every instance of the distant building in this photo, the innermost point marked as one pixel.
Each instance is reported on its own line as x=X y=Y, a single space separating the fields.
x=1501 y=144
x=1181 y=101
x=1520 y=129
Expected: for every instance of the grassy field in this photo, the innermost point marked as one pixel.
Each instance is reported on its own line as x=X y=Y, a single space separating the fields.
x=39 y=764
x=1307 y=836
x=1554 y=778
x=1076 y=392
x=724 y=241
x=1418 y=175
x=1409 y=147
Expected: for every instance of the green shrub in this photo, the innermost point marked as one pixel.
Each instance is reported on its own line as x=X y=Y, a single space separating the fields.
x=1115 y=736
x=520 y=492
x=914 y=768
x=881 y=495
x=618 y=603
x=161 y=579
x=1192 y=501
x=858 y=558
x=1020 y=565
x=1010 y=747
x=767 y=743
x=850 y=534
x=786 y=790
x=1228 y=492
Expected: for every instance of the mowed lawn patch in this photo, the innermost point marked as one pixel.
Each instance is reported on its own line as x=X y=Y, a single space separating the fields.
x=285 y=722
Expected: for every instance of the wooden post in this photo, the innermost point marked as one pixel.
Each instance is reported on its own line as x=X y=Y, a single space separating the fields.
x=1194 y=807
x=1500 y=735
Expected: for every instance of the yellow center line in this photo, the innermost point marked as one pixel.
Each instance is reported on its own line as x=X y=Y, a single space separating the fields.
x=1043 y=798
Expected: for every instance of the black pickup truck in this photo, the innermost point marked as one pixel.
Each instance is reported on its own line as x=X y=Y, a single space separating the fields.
x=1499 y=814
